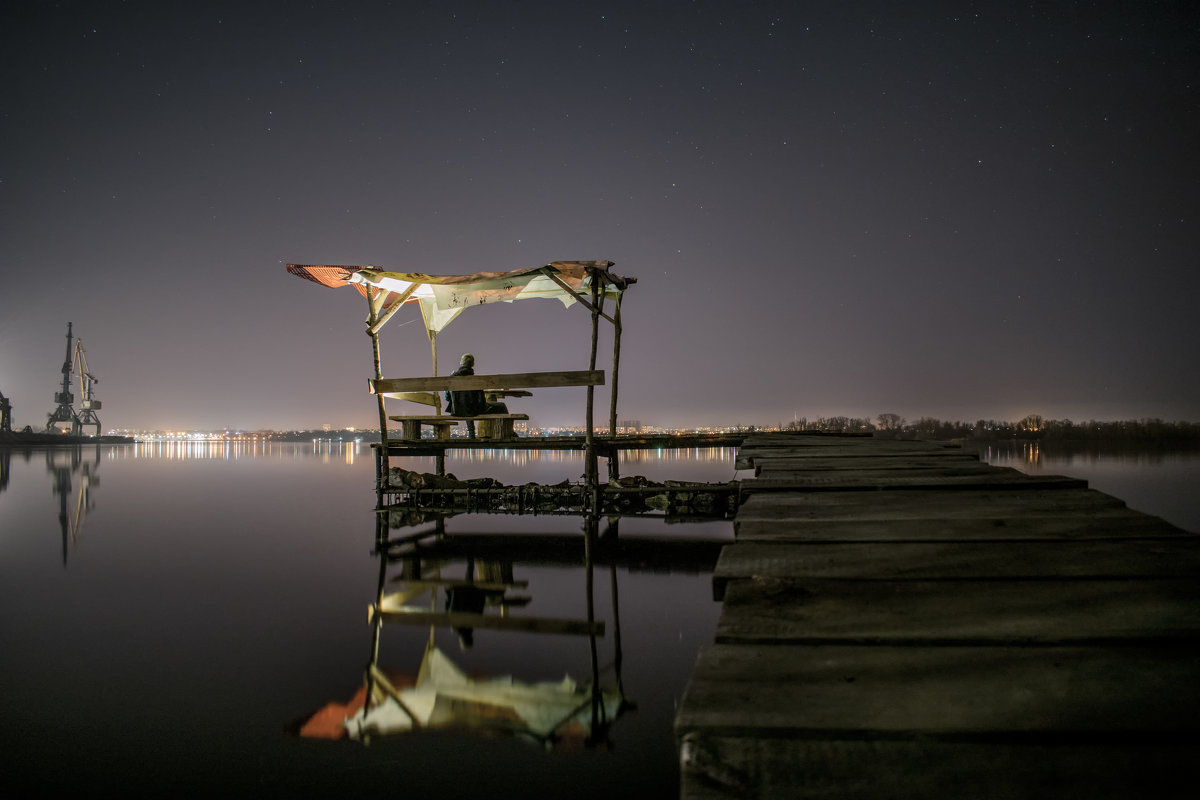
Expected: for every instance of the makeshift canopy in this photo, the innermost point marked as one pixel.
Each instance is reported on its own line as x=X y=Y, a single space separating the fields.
x=444 y=297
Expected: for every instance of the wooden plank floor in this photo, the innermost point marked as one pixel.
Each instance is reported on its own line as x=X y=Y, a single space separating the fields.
x=900 y=620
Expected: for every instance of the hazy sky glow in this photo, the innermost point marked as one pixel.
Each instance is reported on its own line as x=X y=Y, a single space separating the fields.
x=950 y=209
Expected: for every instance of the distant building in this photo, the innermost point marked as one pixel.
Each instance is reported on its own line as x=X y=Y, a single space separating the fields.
x=631 y=425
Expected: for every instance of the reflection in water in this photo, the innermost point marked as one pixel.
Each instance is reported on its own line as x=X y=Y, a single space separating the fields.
x=1158 y=481
x=216 y=600
x=422 y=584
x=1016 y=453
x=257 y=449
x=73 y=472
x=65 y=465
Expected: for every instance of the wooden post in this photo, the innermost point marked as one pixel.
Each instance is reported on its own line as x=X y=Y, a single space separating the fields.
x=440 y=459
x=616 y=366
x=383 y=468
x=590 y=444
x=614 y=467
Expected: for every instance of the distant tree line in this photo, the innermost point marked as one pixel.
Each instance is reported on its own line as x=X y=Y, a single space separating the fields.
x=1141 y=432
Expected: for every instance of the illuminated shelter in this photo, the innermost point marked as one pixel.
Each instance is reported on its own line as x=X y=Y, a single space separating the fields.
x=442 y=298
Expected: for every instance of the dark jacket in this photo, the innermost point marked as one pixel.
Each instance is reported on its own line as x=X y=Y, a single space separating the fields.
x=465 y=404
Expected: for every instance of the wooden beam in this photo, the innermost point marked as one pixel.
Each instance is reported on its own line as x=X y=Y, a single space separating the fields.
x=492 y=622
x=527 y=380
x=424 y=398
x=587 y=303
x=374 y=326
x=427 y=583
x=382 y=681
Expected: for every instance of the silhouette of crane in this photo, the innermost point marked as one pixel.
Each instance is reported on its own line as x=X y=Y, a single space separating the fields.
x=64 y=410
x=88 y=405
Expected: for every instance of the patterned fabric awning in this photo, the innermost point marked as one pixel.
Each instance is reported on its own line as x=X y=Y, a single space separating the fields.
x=444 y=297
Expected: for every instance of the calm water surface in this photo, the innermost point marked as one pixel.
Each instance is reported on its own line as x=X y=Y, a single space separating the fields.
x=1164 y=484
x=169 y=610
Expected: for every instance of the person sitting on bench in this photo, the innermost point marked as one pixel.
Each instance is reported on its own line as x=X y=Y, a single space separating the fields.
x=470 y=403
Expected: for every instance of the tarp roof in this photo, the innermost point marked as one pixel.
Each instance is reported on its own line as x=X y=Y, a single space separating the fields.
x=444 y=297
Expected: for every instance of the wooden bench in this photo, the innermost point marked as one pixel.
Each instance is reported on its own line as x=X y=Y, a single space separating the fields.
x=499 y=426
x=494 y=426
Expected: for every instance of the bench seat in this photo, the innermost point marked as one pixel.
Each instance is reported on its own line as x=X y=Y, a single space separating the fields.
x=493 y=426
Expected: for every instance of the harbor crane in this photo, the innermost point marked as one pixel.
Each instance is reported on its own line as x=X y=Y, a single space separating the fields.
x=88 y=405
x=64 y=410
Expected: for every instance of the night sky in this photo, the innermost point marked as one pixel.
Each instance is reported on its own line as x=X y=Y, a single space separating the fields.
x=949 y=209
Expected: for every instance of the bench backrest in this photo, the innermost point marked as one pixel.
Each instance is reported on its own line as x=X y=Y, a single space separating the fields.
x=462 y=383
x=424 y=398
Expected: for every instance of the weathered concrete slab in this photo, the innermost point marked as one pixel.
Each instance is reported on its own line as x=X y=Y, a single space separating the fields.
x=1171 y=557
x=821 y=611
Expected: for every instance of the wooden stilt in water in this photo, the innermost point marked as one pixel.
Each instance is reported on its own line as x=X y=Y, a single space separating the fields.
x=591 y=523
x=377 y=619
x=616 y=611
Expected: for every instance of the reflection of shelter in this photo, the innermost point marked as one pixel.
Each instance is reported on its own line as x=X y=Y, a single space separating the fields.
x=443 y=298
x=467 y=594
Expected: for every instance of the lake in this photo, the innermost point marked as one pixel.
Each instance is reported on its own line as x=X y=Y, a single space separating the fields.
x=1162 y=483
x=172 y=611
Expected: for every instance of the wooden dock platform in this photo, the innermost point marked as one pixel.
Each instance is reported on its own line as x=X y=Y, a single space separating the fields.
x=900 y=620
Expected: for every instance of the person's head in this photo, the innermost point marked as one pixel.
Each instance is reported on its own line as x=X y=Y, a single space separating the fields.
x=467 y=360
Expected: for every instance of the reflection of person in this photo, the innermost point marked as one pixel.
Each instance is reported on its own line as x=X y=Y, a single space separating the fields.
x=465 y=600
x=470 y=403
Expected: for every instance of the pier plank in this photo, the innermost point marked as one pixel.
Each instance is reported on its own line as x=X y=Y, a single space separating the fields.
x=861 y=461
x=900 y=620
x=994 y=478
x=1053 y=693
x=738 y=767
x=1170 y=557
x=943 y=515
x=823 y=611
x=1119 y=523
x=926 y=504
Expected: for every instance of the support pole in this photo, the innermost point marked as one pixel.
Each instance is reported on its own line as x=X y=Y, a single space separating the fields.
x=614 y=467
x=383 y=468
x=440 y=458
x=616 y=366
x=590 y=471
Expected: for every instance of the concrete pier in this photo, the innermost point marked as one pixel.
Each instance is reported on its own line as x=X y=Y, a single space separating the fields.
x=900 y=620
